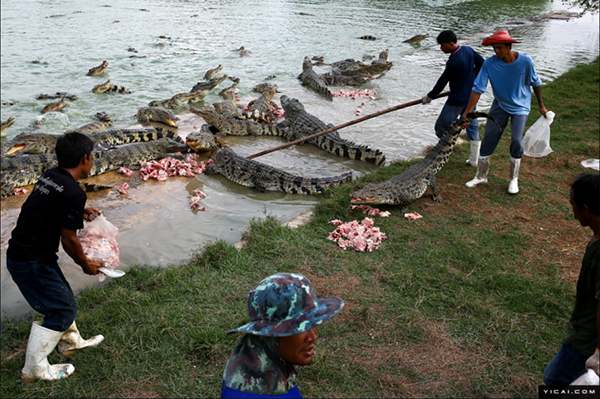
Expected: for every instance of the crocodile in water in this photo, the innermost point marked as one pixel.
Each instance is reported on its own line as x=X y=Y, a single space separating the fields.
x=98 y=70
x=237 y=127
x=311 y=79
x=179 y=100
x=205 y=87
x=261 y=177
x=6 y=124
x=146 y=115
x=109 y=87
x=411 y=184
x=56 y=106
x=303 y=124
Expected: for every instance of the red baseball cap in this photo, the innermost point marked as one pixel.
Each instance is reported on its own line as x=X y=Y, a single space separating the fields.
x=499 y=37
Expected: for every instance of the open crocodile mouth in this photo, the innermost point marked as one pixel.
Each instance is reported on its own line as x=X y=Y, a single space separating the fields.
x=171 y=122
x=15 y=149
x=360 y=199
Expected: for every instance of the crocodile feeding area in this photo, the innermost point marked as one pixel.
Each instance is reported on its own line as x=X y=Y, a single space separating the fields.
x=167 y=47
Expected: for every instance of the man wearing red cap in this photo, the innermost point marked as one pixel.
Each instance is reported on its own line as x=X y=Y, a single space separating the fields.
x=511 y=74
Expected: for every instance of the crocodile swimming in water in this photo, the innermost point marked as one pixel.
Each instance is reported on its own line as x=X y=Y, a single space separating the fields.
x=311 y=79
x=237 y=127
x=411 y=184
x=26 y=169
x=146 y=115
x=109 y=87
x=205 y=87
x=6 y=124
x=179 y=100
x=98 y=70
x=56 y=106
x=57 y=95
x=376 y=67
x=212 y=73
x=260 y=109
x=261 y=177
x=303 y=124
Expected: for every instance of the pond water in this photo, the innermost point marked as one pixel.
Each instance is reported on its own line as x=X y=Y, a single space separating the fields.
x=177 y=41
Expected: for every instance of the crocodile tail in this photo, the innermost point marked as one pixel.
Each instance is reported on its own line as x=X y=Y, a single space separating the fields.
x=166 y=133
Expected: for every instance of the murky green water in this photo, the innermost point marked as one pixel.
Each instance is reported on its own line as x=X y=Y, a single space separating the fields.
x=156 y=225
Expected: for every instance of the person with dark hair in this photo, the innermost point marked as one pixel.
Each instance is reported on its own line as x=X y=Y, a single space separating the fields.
x=53 y=213
x=580 y=347
x=462 y=67
x=284 y=315
x=511 y=75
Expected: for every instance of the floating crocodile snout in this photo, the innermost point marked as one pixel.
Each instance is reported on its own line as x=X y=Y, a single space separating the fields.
x=261 y=177
x=57 y=106
x=99 y=69
x=411 y=184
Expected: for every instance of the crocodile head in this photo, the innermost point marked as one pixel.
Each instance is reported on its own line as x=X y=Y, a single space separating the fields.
x=269 y=92
x=31 y=143
x=55 y=106
x=211 y=73
x=103 y=116
x=291 y=106
x=99 y=69
x=202 y=140
x=102 y=87
x=223 y=156
x=306 y=64
x=146 y=115
x=230 y=92
x=374 y=194
x=208 y=85
x=210 y=115
x=7 y=123
x=169 y=146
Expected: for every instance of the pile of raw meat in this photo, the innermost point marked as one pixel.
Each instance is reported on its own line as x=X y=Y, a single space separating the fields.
x=369 y=210
x=99 y=242
x=362 y=237
x=167 y=167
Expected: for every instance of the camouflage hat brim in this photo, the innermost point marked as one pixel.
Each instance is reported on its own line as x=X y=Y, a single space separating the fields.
x=325 y=309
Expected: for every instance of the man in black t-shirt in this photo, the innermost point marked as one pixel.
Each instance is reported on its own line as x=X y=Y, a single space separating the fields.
x=53 y=213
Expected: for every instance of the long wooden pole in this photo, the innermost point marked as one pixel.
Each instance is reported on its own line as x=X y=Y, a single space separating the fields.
x=333 y=129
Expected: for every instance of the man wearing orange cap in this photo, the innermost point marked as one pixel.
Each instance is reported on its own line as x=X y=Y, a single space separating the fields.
x=511 y=74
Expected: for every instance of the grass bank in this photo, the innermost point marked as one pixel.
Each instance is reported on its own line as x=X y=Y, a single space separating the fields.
x=471 y=300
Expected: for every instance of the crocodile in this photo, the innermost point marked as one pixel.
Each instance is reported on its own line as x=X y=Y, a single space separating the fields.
x=40 y=143
x=261 y=177
x=260 y=109
x=415 y=39
x=57 y=95
x=212 y=73
x=203 y=140
x=6 y=124
x=303 y=124
x=228 y=107
x=261 y=87
x=237 y=127
x=98 y=70
x=92 y=127
x=146 y=115
x=311 y=79
x=109 y=87
x=411 y=184
x=178 y=100
x=132 y=155
x=103 y=116
x=56 y=106
x=332 y=79
x=26 y=170
x=205 y=87
x=378 y=66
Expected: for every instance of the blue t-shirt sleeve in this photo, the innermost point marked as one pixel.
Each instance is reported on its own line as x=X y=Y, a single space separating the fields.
x=481 y=81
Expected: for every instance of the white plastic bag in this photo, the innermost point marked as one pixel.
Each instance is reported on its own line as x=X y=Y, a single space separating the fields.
x=589 y=378
x=98 y=240
x=536 y=142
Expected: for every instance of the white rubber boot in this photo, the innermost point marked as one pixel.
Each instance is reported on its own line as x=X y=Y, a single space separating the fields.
x=475 y=146
x=42 y=342
x=513 y=186
x=483 y=167
x=72 y=341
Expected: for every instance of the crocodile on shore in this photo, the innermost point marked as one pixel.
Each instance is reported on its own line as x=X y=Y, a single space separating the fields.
x=229 y=107
x=98 y=70
x=411 y=184
x=203 y=140
x=26 y=169
x=205 y=87
x=146 y=115
x=311 y=79
x=261 y=177
x=109 y=87
x=237 y=127
x=303 y=124
x=260 y=109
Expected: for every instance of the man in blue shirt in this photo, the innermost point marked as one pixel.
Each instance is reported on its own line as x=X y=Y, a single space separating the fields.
x=511 y=74
x=462 y=67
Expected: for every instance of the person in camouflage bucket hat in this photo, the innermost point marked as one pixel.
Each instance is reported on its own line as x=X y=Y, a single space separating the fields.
x=284 y=314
